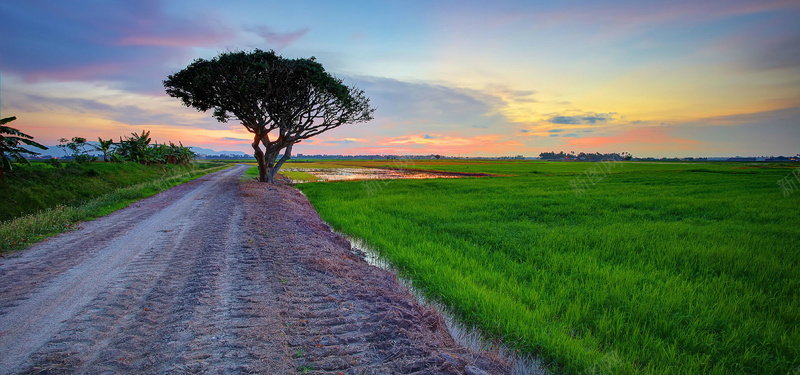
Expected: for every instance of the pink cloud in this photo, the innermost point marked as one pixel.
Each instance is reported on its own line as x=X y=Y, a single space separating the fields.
x=494 y=144
x=127 y=42
x=152 y=26
x=174 y=40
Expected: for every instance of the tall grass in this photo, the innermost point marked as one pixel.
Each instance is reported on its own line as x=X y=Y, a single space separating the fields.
x=656 y=269
x=20 y=232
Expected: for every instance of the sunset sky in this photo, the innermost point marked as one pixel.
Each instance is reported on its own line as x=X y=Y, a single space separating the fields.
x=469 y=78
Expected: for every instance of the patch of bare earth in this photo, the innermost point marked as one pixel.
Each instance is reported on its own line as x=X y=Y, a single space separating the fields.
x=216 y=276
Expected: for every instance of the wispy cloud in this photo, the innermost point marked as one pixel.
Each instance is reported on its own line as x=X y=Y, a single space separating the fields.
x=209 y=39
x=346 y=141
x=753 y=134
x=427 y=139
x=582 y=119
x=279 y=40
x=149 y=110
x=91 y=40
x=778 y=53
x=785 y=115
x=629 y=16
x=437 y=107
x=235 y=139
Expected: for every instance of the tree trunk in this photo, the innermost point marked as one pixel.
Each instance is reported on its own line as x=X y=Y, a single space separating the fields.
x=268 y=162
x=286 y=156
x=271 y=156
x=262 y=166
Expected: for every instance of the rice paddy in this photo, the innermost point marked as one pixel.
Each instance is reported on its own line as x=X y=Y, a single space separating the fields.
x=612 y=268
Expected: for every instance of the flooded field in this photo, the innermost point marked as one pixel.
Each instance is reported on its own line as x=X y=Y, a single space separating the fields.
x=298 y=175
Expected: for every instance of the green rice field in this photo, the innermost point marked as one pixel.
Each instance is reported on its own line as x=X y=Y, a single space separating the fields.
x=615 y=268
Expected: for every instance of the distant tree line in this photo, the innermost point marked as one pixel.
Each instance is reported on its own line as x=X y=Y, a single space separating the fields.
x=585 y=156
x=136 y=148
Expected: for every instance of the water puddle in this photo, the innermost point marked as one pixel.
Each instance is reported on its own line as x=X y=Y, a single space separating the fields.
x=351 y=174
x=466 y=335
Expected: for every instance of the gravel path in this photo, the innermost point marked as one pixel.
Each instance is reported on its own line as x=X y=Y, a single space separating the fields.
x=215 y=276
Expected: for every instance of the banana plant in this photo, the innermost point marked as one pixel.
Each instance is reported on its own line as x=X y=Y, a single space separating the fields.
x=10 y=149
x=105 y=147
x=135 y=148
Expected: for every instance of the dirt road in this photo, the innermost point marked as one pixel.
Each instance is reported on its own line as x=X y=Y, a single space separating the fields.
x=215 y=276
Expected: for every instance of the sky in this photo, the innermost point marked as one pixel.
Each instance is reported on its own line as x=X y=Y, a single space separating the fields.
x=471 y=78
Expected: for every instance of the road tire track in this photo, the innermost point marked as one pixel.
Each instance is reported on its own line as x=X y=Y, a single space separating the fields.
x=341 y=315
x=215 y=276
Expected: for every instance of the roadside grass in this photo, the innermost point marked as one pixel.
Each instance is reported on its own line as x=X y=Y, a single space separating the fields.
x=288 y=173
x=22 y=231
x=39 y=186
x=251 y=172
x=658 y=268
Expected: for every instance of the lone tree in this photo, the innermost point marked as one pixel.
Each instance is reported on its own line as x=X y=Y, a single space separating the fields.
x=281 y=101
x=10 y=149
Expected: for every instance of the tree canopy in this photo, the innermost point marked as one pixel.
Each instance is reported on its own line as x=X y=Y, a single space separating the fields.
x=281 y=101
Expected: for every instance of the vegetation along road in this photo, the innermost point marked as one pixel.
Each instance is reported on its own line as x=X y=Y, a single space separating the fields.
x=215 y=276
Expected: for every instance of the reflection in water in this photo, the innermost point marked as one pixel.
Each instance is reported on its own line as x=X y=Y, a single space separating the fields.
x=347 y=174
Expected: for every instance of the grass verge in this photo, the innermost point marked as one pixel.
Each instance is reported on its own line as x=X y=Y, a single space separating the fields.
x=20 y=232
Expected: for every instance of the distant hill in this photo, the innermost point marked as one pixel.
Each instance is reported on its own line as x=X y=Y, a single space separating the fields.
x=51 y=151
x=54 y=151
x=208 y=151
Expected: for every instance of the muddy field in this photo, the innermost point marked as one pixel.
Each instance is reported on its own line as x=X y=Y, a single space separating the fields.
x=351 y=174
x=216 y=276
